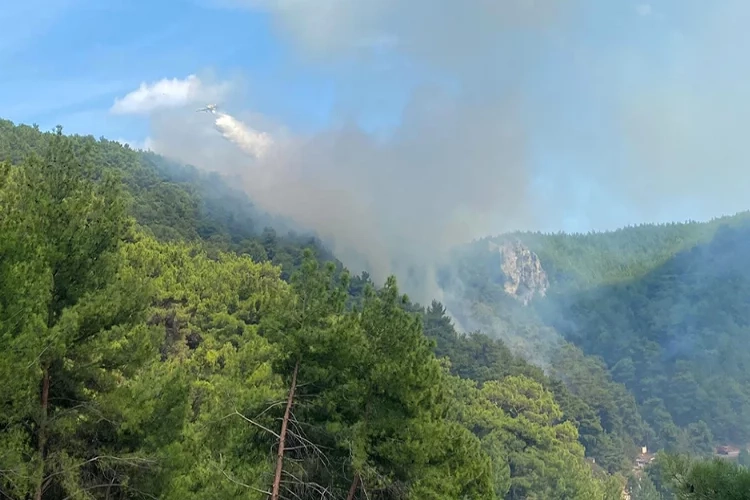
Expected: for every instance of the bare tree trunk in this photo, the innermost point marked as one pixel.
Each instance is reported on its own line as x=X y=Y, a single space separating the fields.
x=282 y=436
x=43 y=432
x=353 y=489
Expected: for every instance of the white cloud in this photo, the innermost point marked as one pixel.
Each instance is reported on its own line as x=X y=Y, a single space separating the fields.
x=643 y=9
x=167 y=93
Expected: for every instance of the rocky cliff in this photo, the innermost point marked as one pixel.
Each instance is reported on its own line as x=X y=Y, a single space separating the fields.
x=525 y=278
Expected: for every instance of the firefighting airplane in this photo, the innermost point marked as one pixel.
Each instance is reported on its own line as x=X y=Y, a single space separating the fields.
x=211 y=108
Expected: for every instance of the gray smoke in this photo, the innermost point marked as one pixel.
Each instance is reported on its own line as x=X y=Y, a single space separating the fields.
x=521 y=114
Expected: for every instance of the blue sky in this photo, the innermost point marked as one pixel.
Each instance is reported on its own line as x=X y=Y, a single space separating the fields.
x=69 y=60
x=628 y=110
x=65 y=61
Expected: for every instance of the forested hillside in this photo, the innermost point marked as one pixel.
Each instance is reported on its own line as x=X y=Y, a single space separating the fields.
x=162 y=339
x=176 y=202
x=152 y=347
x=663 y=306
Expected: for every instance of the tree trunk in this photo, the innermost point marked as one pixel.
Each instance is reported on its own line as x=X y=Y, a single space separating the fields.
x=282 y=436
x=43 y=432
x=353 y=489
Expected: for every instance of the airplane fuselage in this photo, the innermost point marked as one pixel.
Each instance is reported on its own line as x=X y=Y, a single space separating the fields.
x=211 y=108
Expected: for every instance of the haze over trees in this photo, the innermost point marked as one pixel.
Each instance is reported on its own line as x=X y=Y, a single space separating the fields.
x=160 y=340
x=662 y=307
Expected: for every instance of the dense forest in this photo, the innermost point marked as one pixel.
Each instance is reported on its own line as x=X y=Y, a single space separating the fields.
x=663 y=307
x=162 y=338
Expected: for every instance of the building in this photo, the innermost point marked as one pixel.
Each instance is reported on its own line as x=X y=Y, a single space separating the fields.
x=644 y=458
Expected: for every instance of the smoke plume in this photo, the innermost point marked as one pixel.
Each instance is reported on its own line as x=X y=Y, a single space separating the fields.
x=500 y=115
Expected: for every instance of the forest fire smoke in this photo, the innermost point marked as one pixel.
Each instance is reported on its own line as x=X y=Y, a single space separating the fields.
x=434 y=140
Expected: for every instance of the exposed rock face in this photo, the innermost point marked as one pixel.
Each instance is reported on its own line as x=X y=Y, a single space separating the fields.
x=525 y=278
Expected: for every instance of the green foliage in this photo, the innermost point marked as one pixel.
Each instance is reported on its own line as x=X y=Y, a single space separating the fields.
x=406 y=403
x=174 y=202
x=641 y=487
x=488 y=361
x=71 y=322
x=657 y=314
x=715 y=479
x=169 y=326
x=213 y=372
x=581 y=261
x=370 y=392
x=534 y=454
x=604 y=412
x=671 y=337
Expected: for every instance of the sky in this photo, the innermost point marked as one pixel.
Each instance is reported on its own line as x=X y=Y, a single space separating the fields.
x=427 y=122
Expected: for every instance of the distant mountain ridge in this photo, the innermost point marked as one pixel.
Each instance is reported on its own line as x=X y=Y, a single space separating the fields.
x=665 y=308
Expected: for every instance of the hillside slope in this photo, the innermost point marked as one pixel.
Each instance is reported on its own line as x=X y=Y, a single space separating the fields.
x=676 y=336
x=663 y=307
x=193 y=334
x=178 y=202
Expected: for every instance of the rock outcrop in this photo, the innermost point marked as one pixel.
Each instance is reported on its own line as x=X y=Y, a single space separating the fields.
x=525 y=279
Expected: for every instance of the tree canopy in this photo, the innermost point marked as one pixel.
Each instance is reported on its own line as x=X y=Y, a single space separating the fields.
x=146 y=359
x=164 y=338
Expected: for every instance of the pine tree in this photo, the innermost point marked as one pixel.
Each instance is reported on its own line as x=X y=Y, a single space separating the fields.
x=69 y=323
